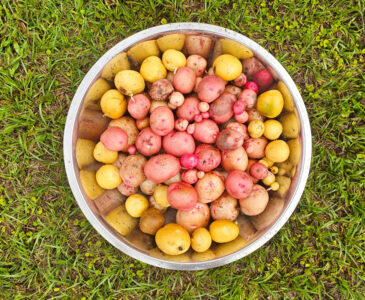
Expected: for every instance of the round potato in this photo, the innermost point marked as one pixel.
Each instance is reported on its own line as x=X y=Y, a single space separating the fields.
x=210 y=187
x=235 y=160
x=201 y=240
x=223 y=231
x=161 y=167
x=256 y=202
x=194 y=218
x=173 y=239
x=224 y=208
x=132 y=170
x=151 y=220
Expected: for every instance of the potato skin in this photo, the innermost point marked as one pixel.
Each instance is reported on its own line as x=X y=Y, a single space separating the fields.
x=229 y=139
x=198 y=44
x=197 y=63
x=89 y=184
x=291 y=125
x=249 y=97
x=224 y=208
x=151 y=220
x=143 y=50
x=188 y=109
x=161 y=167
x=171 y=41
x=256 y=202
x=161 y=89
x=206 y=131
x=209 y=157
x=148 y=143
x=194 y=218
x=210 y=88
x=178 y=143
x=255 y=148
x=250 y=66
x=235 y=159
x=184 y=80
x=130 y=128
x=132 y=170
x=241 y=128
x=238 y=184
x=118 y=63
x=269 y=215
x=84 y=152
x=120 y=159
x=162 y=121
x=92 y=124
x=234 y=48
x=147 y=187
x=221 y=109
x=253 y=114
x=126 y=189
x=182 y=196
x=263 y=79
x=108 y=201
x=139 y=106
x=210 y=187
x=121 y=221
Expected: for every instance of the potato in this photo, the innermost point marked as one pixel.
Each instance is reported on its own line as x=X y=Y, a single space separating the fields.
x=161 y=167
x=229 y=139
x=176 y=99
x=197 y=63
x=182 y=196
x=155 y=104
x=247 y=230
x=118 y=63
x=108 y=177
x=198 y=44
x=172 y=239
x=104 y=155
x=184 y=80
x=89 y=184
x=227 y=67
x=178 y=143
x=142 y=50
x=129 y=126
x=152 y=69
x=235 y=159
x=203 y=256
x=171 y=41
x=210 y=88
x=126 y=189
x=234 y=90
x=139 y=106
x=253 y=114
x=120 y=159
x=238 y=184
x=223 y=231
x=160 y=195
x=91 y=124
x=151 y=220
x=258 y=170
x=210 y=187
x=201 y=240
x=269 y=179
x=256 y=202
x=121 y=221
x=153 y=204
x=270 y=103
x=113 y=104
x=147 y=187
x=132 y=170
x=240 y=81
x=108 y=201
x=161 y=89
x=84 y=152
x=206 y=131
x=273 y=129
x=269 y=215
x=173 y=179
x=241 y=128
x=209 y=157
x=224 y=208
x=173 y=59
x=263 y=79
x=140 y=240
x=250 y=66
x=114 y=139
x=284 y=185
x=143 y=123
x=162 y=121
x=234 y=48
x=198 y=216
x=221 y=109
x=182 y=258
x=188 y=109
x=291 y=125
x=288 y=99
x=129 y=82
x=277 y=151
x=136 y=204
x=295 y=151
x=255 y=148
x=228 y=248
x=284 y=167
x=256 y=128
x=95 y=92
x=190 y=176
x=249 y=97
x=242 y=117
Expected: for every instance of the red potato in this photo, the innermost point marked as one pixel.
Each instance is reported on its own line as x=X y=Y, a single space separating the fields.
x=190 y=176
x=184 y=80
x=269 y=215
x=188 y=109
x=242 y=118
x=234 y=90
x=229 y=139
x=126 y=189
x=161 y=89
x=263 y=79
x=210 y=187
x=198 y=44
x=182 y=196
x=109 y=200
x=242 y=129
x=238 y=184
x=235 y=160
x=194 y=218
x=210 y=88
x=253 y=114
x=197 y=81
x=241 y=80
x=131 y=170
x=178 y=143
x=256 y=202
x=221 y=109
x=259 y=170
x=250 y=66
x=162 y=121
x=139 y=106
x=224 y=208
x=127 y=124
x=255 y=148
x=209 y=157
x=189 y=160
x=249 y=97
x=197 y=63
x=92 y=124
x=114 y=139
x=249 y=164
x=206 y=131
x=148 y=143
x=161 y=167
x=143 y=123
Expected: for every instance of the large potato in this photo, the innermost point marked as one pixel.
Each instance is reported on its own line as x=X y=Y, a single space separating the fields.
x=129 y=126
x=198 y=44
x=142 y=50
x=118 y=63
x=84 y=152
x=95 y=92
x=108 y=201
x=256 y=202
x=162 y=167
x=209 y=188
x=269 y=215
x=132 y=170
x=173 y=239
x=92 y=124
x=295 y=151
x=88 y=182
x=121 y=221
x=235 y=160
x=235 y=48
x=291 y=125
x=171 y=41
x=129 y=82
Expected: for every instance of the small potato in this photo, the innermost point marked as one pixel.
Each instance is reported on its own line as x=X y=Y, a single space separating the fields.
x=234 y=48
x=247 y=230
x=196 y=217
x=118 y=63
x=121 y=221
x=173 y=59
x=277 y=151
x=178 y=143
x=95 y=92
x=291 y=125
x=143 y=123
x=190 y=176
x=269 y=215
x=223 y=231
x=132 y=170
x=90 y=185
x=258 y=170
x=139 y=106
x=136 y=204
x=224 y=208
x=197 y=63
x=120 y=159
x=161 y=89
x=92 y=123
x=147 y=187
x=154 y=204
x=295 y=151
x=198 y=44
x=240 y=81
x=152 y=69
x=269 y=179
x=113 y=104
x=230 y=247
x=255 y=148
x=141 y=51
x=210 y=88
x=273 y=129
x=172 y=239
x=108 y=201
x=209 y=157
x=256 y=202
x=162 y=121
x=234 y=90
x=201 y=240
x=188 y=109
x=126 y=189
x=177 y=99
x=173 y=179
x=148 y=143
x=229 y=139
x=250 y=66
x=182 y=196
x=235 y=159
x=263 y=79
x=253 y=114
x=151 y=220
x=203 y=256
x=284 y=185
x=108 y=177
x=162 y=167
x=242 y=117
x=221 y=109
x=256 y=128
x=249 y=97
x=184 y=80
x=114 y=139
x=160 y=195
x=288 y=99
x=227 y=67
x=238 y=184
x=171 y=41
x=84 y=152
x=129 y=82
x=155 y=104
x=206 y=131
x=210 y=187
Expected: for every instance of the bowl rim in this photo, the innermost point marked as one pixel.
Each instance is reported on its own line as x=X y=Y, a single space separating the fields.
x=69 y=158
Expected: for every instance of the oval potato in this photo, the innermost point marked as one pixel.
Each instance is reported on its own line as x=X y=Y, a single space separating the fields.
x=234 y=48
x=84 y=152
x=89 y=184
x=95 y=92
x=295 y=151
x=118 y=63
x=143 y=50
x=288 y=99
x=121 y=221
x=171 y=41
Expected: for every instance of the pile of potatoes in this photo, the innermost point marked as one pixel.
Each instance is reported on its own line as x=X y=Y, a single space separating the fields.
x=187 y=145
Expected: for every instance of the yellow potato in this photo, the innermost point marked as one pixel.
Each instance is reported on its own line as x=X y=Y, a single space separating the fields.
x=203 y=256
x=178 y=258
x=160 y=195
x=129 y=82
x=153 y=69
x=171 y=41
x=228 y=248
x=88 y=182
x=201 y=240
x=113 y=104
x=284 y=185
x=273 y=129
x=121 y=221
x=295 y=151
x=277 y=151
x=291 y=125
x=223 y=231
x=104 y=155
x=288 y=99
x=172 y=239
x=173 y=59
x=235 y=48
x=108 y=177
x=267 y=162
x=136 y=204
x=269 y=179
x=143 y=50
x=227 y=67
x=256 y=128
x=118 y=63
x=275 y=186
x=270 y=103
x=95 y=92
x=284 y=167
x=84 y=152
x=292 y=171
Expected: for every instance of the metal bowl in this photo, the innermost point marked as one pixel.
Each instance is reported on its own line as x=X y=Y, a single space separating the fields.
x=86 y=205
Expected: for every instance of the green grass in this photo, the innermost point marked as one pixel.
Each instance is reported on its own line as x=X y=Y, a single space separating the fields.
x=49 y=250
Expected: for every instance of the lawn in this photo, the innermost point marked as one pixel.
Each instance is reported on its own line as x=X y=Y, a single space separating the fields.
x=49 y=250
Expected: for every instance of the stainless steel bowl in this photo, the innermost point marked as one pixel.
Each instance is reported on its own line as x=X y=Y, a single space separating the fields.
x=70 y=138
